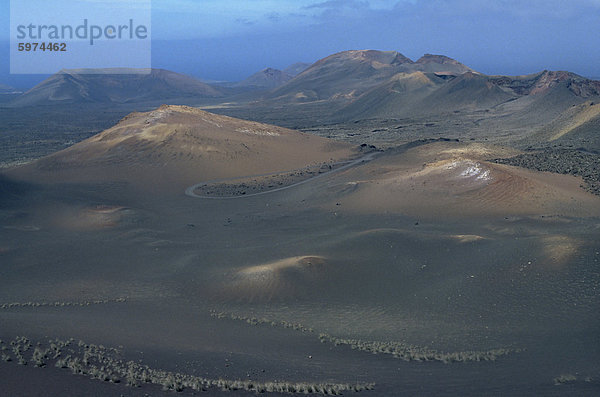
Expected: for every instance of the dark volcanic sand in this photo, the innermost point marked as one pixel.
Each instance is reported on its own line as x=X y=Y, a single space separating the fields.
x=242 y=290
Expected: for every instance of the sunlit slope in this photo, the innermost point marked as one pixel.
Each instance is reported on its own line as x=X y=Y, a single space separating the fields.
x=453 y=180
x=577 y=117
x=175 y=146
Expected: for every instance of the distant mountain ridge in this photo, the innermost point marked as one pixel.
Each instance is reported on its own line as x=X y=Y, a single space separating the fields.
x=297 y=68
x=114 y=86
x=5 y=89
x=348 y=86
x=349 y=74
x=383 y=84
x=442 y=64
x=543 y=81
x=266 y=78
x=270 y=78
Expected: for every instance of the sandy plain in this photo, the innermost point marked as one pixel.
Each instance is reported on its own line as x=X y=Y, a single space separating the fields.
x=426 y=270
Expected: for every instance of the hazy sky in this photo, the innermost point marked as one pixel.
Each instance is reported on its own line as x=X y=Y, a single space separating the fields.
x=230 y=39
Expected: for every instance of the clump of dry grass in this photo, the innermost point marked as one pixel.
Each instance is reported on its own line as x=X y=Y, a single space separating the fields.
x=408 y=352
x=564 y=379
x=261 y=321
x=399 y=350
x=61 y=303
x=107 y=364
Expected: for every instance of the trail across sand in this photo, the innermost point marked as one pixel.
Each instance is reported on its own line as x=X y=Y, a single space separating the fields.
x=346 y=164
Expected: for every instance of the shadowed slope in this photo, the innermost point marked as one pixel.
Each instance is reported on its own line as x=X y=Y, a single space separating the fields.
x=546 y=104
x=407 y=95
x=467 y=91
x=401 y=94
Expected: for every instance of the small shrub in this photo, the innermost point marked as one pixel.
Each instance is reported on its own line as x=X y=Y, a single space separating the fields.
x=564 y=379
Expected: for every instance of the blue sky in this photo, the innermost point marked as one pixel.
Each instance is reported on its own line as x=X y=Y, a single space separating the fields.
x=230 y=39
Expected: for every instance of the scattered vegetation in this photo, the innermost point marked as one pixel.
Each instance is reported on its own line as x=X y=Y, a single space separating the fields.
x=19 y=346
x=570 y=379
x=397 y=349
x=415 y=353
x=565 y=378
x=60 y=304
x=257 y=321
x=107 y=364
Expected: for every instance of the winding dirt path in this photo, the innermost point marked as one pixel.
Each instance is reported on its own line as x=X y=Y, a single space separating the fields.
x=346 y=164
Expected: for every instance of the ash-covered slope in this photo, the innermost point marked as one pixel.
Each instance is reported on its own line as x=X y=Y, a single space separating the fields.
x=403 y=93
x=551 y=105
x=523 y=101
x=421 y=93
x=456 y=180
